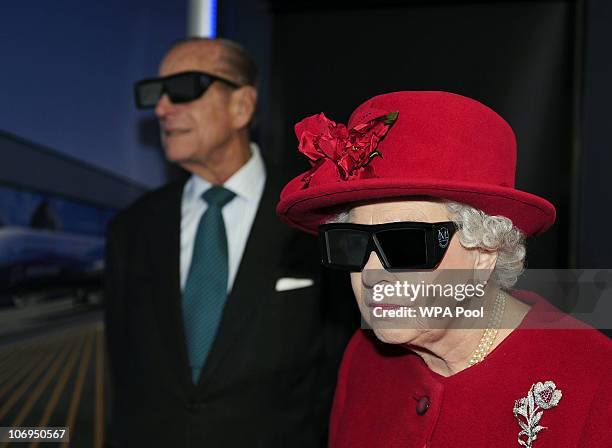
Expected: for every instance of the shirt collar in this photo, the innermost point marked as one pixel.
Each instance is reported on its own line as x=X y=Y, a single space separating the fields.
x=245 y=183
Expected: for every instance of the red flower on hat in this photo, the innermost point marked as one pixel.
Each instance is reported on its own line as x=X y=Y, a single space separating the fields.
x=350 y=150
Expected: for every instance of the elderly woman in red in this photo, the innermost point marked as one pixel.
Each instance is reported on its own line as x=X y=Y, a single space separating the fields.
x=418 y=184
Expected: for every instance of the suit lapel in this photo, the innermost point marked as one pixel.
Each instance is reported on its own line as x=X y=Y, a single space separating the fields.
x=164 y=235
x=255 y=278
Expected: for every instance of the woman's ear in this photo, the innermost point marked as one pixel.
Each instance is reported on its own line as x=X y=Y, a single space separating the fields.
x=484 y=263
x=244 y=101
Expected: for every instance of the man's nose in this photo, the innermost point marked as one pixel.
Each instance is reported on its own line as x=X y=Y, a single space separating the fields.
x=164 y=106
x=373 y=272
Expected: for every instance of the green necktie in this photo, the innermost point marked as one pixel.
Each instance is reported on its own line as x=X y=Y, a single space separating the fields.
x=205 y=290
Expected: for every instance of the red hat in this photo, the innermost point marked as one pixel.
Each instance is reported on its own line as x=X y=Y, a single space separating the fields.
x=400 y=144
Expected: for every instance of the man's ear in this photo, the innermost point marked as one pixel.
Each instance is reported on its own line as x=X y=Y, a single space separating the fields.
x=484 y=263
x=244 y=101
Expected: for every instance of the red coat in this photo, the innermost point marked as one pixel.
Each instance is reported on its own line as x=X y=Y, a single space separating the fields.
x=387 y=397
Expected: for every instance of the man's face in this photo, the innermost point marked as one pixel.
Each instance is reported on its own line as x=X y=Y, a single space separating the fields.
x=195 y=132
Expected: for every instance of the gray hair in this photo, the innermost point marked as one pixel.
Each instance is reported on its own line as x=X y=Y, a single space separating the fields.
x=237 y=60
x=482 y=231
x=491 y=233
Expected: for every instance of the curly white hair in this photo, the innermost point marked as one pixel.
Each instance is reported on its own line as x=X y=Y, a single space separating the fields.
x=493 y=233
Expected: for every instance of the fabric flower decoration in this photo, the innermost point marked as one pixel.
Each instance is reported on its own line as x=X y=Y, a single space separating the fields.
x=324 y=141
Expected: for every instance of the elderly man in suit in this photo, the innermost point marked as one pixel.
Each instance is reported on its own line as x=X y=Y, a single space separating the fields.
x=221 y=327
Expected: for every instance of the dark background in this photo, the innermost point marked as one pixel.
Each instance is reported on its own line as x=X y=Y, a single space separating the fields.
x=543 y=65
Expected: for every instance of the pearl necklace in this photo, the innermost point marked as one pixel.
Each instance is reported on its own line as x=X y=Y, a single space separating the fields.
x=490 y=333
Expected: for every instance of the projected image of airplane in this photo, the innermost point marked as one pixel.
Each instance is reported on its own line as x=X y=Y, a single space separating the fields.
x=41 y=261
x=33 y=260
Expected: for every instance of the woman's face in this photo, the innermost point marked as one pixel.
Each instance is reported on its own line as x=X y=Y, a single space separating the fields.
x=365 y=283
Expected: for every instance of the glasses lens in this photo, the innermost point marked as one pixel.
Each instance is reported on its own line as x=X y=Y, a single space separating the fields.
x=184 y=87
x=403 y=248
x=148 y=93
x=346 y=248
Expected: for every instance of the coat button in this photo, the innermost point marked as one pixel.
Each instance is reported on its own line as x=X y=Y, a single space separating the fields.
x=422 y=405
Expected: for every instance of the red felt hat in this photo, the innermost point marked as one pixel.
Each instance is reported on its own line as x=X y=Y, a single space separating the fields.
x=401 y=144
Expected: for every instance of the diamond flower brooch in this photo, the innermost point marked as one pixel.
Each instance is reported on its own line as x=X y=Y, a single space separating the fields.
x=528 y=411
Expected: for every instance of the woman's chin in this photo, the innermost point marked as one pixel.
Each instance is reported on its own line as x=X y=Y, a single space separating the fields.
x=396 y=336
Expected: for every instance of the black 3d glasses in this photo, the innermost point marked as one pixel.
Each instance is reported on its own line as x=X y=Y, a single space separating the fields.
x=400 y=246
x=180 y=88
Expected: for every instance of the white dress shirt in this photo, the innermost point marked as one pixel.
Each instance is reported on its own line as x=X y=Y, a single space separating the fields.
x=238 y=214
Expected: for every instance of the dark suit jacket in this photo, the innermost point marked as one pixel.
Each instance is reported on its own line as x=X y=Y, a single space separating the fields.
x=269 y=378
